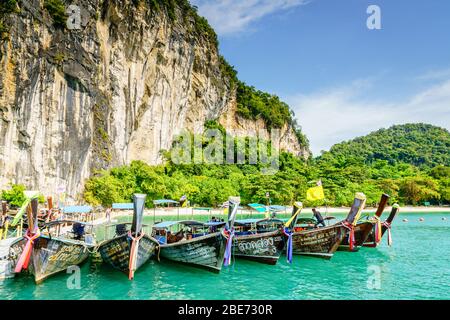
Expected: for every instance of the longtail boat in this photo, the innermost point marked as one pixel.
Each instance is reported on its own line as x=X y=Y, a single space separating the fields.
x=47 y=252
x=321 y=241
x=260 y=240
x=128 y=250
x=378 y=231
x=364 y=227
x=196 y=243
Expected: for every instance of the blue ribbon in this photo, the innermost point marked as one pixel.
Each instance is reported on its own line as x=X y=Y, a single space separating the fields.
x=289 y=244
x=227 y=256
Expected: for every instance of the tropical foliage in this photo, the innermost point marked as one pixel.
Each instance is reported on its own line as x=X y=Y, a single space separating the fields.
x=342 y=174
x=15 y=195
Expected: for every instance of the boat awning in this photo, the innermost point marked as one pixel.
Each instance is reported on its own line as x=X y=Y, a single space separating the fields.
x=123 y=206
x=77 y=209
x=258 y=207
x=164 y=201
x=165 y=224
x=247 y=221
x=202 y=209
x=214 y=224
x=257 y=221
x=168 y=224
x=191 y=223
x=277 y=208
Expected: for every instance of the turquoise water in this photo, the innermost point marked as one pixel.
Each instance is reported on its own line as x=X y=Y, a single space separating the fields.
x=416 y=267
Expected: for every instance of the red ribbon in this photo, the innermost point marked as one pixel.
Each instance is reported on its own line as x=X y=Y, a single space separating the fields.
x=24 y=259
x=351 y=236
x=133 y=254
x=388 y=227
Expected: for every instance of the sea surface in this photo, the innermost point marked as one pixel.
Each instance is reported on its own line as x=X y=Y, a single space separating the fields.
x=417 y=266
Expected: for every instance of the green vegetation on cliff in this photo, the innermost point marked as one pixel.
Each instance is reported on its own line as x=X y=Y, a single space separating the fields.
x=6 y=7
x=57 y=11
x=342 y=175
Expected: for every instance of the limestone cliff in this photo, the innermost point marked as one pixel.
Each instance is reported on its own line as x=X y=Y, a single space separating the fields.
x=117 y=89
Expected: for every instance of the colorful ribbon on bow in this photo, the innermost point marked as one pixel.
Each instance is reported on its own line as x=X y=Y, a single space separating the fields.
x=378 y=232
x=289 y=248
x=351 y=235
x=387 y=225
x=229 y=235
x=133 y=253
x=24 y=259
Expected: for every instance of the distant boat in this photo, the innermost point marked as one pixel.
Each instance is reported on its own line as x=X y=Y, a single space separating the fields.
x=128 y=250
x=363 y=228
x=323 y=241
x=47 y=254
x=371 y=240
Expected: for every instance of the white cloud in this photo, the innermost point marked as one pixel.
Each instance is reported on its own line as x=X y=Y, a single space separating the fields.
x=435 y=75
x=233 y=16
x=339 y=114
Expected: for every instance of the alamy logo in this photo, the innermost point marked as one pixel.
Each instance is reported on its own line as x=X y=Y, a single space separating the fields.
x=74 y=280
x=374 y=20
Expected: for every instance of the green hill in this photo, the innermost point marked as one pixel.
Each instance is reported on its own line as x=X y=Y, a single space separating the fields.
x=421 y=145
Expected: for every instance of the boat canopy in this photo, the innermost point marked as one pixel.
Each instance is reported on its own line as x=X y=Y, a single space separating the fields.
x=277 y=208
x=164 y=201
x=168 y=224
x=262 y=208
x=258 y=207
x=202 y=208
x=255 y=221
x=123 y=206
x=77 y=209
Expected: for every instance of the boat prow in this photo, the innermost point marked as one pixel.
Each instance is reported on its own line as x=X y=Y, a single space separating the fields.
x=117 y=252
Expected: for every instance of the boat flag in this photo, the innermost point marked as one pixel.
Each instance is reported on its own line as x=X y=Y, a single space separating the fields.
x=315 y=193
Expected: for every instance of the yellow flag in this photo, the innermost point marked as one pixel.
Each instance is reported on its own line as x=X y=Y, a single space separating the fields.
x=315 y=193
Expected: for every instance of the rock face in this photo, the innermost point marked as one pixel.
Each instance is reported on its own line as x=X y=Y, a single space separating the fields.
x=117 y=89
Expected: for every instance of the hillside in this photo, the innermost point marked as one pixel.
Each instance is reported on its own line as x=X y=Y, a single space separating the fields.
x=421 y=145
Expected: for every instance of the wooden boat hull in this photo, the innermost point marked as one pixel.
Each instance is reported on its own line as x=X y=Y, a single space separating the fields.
x=264 y=247
x=116 y=252
x=321 y=242
x=362 y=232
x=50 y=255
x=204 y=252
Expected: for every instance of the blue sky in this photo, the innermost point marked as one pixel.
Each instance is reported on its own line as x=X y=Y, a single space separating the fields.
x=341 y=79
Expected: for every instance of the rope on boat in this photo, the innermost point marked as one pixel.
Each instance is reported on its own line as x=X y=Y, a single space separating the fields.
x=289 y=248
x=351 y=236
x=388 y=227
x=24 y=259
x=133 y=253
x=229 y=235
